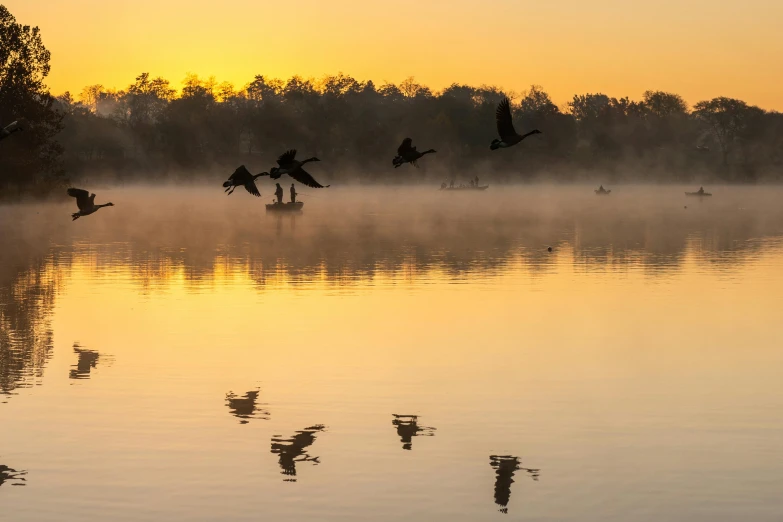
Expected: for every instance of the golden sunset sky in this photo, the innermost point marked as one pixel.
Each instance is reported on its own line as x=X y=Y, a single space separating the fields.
x=697 y=48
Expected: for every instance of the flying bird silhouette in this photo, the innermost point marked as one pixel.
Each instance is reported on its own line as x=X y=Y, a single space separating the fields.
x=508 y=135
x=86 y=203
x=243 y=178
x=293 y=167
x=407 y=153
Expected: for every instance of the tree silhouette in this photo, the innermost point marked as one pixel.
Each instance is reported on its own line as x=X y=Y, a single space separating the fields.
x=728 y=120
x=33 y=157
x=153 y=128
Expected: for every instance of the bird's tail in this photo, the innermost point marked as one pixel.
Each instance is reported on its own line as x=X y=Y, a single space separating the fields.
x=75 y=216
x=226 y=184
x=397 y=161
x=495 y=144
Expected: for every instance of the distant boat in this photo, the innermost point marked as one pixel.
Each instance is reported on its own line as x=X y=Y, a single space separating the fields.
x=483 y=187
x=285 y=207
x=698 y=194
x=603 y=192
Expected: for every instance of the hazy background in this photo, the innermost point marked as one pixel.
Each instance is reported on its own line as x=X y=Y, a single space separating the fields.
x=637 y=100
x=699 y=48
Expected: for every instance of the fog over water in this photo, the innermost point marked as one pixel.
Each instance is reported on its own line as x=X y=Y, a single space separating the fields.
x=393 y=352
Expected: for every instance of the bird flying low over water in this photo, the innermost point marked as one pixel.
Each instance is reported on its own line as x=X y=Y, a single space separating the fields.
x=508 y=136
x=243 y=178
x=293 y=167
x=407 y=153
x=10 y=129
x=86 y=203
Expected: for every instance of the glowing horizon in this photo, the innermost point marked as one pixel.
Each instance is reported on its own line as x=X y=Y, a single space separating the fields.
x=700 y=51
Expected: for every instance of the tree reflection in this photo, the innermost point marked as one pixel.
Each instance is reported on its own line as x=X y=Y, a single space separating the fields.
x=27 y=295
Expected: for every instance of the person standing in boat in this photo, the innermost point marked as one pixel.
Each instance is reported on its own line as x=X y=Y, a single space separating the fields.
x=279 y=193
x=701 y=190
x=293 y=193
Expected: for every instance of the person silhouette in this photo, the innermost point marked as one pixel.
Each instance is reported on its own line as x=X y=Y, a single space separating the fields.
x=279 y=193
x=293 y=193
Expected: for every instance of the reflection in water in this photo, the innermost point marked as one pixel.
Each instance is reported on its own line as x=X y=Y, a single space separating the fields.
x=246 y=407
x=353 y=237
x=88 y=359
x=290 y=451
x=408 y=427
x=27 y=294
x=505 y=466
x=12 y=476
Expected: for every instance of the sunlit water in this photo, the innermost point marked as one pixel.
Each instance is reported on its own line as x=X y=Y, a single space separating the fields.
x=394 y=355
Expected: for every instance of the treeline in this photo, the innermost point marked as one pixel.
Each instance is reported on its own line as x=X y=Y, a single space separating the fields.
x=153 y=130
x=356 y=126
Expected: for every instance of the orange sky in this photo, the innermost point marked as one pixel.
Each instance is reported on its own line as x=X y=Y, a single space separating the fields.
x=697 y=48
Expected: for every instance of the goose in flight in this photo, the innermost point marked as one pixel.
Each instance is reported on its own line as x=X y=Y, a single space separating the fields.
x=10 y=129
x=86 y=203
x=407 y=153
x=508 y=136
x=293 y=167
x=243 y=178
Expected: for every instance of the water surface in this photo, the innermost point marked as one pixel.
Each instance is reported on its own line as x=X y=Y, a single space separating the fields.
x=394 y=354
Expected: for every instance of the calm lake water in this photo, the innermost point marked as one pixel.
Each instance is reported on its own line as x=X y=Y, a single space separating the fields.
x=394 y=354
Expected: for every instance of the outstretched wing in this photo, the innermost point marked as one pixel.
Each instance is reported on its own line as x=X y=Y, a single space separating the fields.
x=240 y=174
x=304 y=178
x=82 y=197
x=286 y=158
x=504 y=120
x=405 y=147
x=250 y=186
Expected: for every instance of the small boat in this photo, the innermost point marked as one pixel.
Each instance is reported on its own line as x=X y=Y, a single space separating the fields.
x=603 y=192
x=698 y=194
x=483 y=187
x=285 y=207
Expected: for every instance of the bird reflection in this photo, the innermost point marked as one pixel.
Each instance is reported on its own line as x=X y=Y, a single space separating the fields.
x=12 y=476
x=246 y=407
x=290 y=451
x=505 y=466
x=88 y=359
x=408 y=427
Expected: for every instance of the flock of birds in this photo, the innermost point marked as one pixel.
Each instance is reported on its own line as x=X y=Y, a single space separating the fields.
x=287 y=164
x=406 y=153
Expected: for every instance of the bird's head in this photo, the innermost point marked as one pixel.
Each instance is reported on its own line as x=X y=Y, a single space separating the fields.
x=109 y=204
x=536 y=131
x=314 y=159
